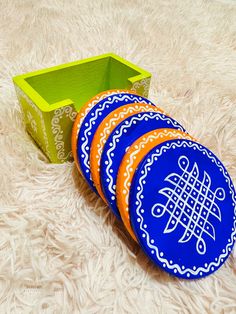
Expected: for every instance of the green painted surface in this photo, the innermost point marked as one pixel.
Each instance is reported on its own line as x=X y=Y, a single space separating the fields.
x=50 y=98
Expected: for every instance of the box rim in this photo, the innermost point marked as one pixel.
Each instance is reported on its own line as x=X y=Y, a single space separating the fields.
x=43 y=105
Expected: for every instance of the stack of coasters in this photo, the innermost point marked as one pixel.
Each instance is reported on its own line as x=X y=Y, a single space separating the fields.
x=173 y=195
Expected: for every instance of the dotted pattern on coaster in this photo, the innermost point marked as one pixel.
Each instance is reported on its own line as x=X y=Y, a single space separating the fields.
x=118 y=142
x=186 y=220
x=90 y=124
x=136 y=152
x=82 y=114
x=103 y=132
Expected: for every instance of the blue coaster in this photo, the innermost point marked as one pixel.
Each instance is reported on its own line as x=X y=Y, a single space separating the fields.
x=182 y=209
x=91 y=123
x=125 y=134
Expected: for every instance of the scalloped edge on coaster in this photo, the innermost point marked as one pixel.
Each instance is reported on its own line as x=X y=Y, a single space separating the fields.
x=187 y=241
x=82 y=114
x=134 y=155
x=103 y=132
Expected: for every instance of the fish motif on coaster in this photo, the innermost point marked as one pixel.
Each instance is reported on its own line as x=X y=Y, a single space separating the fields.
x=182 y=208
x=92 y=121
x=104 y=130
x=136 y=152
x=82 y=114
x=124 y=135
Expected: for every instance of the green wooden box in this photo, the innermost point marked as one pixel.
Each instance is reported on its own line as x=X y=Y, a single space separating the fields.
x=51 y=98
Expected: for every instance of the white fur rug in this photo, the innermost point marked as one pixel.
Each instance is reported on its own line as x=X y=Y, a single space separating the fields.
x=61 y=251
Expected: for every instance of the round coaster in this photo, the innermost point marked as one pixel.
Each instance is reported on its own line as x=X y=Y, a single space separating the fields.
x=185 y=220
x=103 y=132
x=83 y=112
x=90 y=124
x=118 y=142
x=136 y=152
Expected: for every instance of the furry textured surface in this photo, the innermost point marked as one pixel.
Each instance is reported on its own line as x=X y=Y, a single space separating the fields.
x=61 y=251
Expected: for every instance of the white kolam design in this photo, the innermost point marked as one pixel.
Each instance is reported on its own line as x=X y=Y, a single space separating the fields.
x=190 y=203
x=166 y=263
x=119 y=133
x=89 y=125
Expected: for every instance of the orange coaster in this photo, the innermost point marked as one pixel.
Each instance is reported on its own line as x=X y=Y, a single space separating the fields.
x=103 y=132
x=82 y=114
x=136 y=152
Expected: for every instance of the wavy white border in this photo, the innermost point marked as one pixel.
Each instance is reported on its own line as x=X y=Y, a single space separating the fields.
x=132 y=156
x=165 y=263
x=122 y=114
x=120 y=132
x=84 y=138
x=93 y=103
